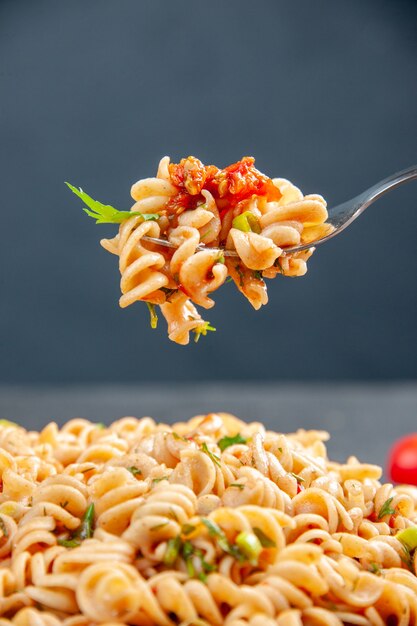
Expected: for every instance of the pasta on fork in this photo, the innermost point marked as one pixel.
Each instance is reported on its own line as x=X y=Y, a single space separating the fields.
x=215 y=223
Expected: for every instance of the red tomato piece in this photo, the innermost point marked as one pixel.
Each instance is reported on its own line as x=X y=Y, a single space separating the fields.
x=402 y=460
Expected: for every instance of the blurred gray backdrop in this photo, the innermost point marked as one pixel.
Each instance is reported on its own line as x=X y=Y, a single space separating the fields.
x=96 y=91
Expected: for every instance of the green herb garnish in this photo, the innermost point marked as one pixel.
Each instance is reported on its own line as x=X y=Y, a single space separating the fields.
x=386 y=509
x=222 y=541
x=152 y=313
x=177 y=436
x=213 y=457
x=187 y=529
x=240 y=274
x=84 y=530
x=172 y=551
x=168 y=292
x=408 y=537
x=3 y=527
x=266 y=542
x=225 y=442
x=237 y=485
x=100 y=425
x=69 y=543
x=250 y=546
x=257 y=274
x=106 y=214
x=134 y=470
x=375 y=569
x=158 y=480
x=297 y=477
x=247 y=223
x=8 y=423
x=202 y=329
x=158 y=526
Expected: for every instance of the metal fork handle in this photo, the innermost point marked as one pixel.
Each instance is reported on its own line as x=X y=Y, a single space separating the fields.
x=391 y=182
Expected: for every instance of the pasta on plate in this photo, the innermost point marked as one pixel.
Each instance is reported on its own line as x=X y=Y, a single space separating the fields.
x=209 y=522
x=202 y=211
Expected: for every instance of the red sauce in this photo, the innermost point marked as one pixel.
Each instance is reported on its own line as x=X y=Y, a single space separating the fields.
x=236 y=183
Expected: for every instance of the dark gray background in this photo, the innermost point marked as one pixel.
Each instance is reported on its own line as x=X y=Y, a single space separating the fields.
x=96 y=91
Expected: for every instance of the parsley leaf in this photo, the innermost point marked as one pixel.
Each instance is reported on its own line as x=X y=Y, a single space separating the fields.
x=104 y=213
x=375 y=569
x=266 y=542
x=386 y=509
x=297 y=477
x=3 y=527
x=202 y=329
x=134 y=470
x=152 y=313
x=84 y=530
x=225 y=442
x=223 y=543
x=212 y=456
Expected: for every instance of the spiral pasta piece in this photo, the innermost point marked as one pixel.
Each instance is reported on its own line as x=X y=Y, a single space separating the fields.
x=207 y=522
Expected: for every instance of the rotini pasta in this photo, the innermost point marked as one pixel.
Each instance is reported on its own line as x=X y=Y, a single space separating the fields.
x=232 y=222
x=210 y=522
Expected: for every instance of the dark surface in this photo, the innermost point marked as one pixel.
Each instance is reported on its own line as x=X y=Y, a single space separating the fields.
x=323 y=93
x=363 y=420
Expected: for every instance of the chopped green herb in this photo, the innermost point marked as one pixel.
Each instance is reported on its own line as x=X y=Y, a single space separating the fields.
x=172 y=550
x=152 y=313
x=202 y=329
x=213 y=457
x=240 y=274
x=100 y=425
x=220 y=259
x=257 y=274
x=158 y=480
x=168 y=292
x=3 y=527
x=172 y=514
x=229 y=279
x=106 y=214
x=158 y=526
x=280 y=449
x=250 y=546
x=375 y=568
x=134 y=470
x=177 y=436
x=84 y=530
x=225 y=442
x=69 y=543
x=187 y=529
x=386 y=509
x=408 y=537
x=297 y=477
x=238 y=485
x=8 y=423
x=266 y=542
x=247 y=223
x=187 y=553
x=64 y=504
x=215 y=531
x=407 y=558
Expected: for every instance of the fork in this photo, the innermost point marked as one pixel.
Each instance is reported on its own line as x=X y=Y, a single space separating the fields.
x=340 y=216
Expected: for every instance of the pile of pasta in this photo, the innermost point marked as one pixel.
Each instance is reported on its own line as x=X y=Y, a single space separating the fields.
x=210 y=522
x=201 y=211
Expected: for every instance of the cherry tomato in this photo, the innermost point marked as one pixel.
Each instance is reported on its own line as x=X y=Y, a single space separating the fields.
x=402 y=460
